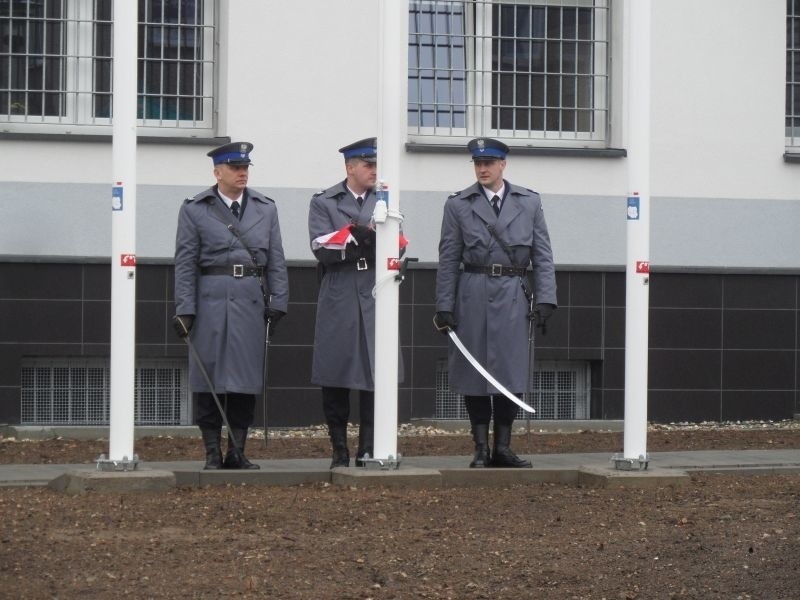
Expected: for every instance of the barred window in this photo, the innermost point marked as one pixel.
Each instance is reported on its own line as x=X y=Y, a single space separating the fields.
x=793 y=75
x=56 y=65
x=514 y=69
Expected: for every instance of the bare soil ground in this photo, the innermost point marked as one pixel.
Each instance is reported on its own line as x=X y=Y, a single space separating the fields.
x=719 y=536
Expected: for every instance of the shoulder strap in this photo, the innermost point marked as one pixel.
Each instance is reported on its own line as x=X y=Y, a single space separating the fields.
x=226 y=216
x=523 y=280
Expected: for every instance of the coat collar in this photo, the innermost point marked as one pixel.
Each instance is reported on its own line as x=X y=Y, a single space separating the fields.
x=347 y=205
x=482 y=208
x=219 y=211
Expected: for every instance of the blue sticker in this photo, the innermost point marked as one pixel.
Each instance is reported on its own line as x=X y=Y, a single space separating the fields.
x=633 y=208
x=116 y=197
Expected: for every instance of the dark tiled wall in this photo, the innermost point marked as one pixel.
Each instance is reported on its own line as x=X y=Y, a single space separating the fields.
x=722 y=346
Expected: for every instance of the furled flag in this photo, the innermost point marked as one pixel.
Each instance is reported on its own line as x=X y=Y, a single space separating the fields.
x=336 y=240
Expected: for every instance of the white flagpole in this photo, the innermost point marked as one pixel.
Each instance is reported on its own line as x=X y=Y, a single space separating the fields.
x=637 y=288
x=123 y=239
x=392 y=85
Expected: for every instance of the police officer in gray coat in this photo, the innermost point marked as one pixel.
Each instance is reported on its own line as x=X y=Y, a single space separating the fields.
x=344 y=338
x=491 y=233
x=230 y=282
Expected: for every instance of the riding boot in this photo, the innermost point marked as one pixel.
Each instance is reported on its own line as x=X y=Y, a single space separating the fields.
x=235 y=458
x=341 y=455
x=480 y=434
x=365 y=444
x=211 y=441
x=502 y=455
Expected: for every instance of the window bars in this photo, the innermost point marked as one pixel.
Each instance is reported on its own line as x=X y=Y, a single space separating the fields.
x=523 y=71
x=76 y=391
x=560 y=391
x=56 y=65
x=793 y=75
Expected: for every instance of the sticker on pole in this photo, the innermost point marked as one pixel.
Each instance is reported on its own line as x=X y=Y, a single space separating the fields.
x=633 y=208
x=392 y=264
x=127 y=260
x=643 y=266
x=116 y=197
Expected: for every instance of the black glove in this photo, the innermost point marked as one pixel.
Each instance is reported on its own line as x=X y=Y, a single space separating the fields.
x=541 y=313
x=182 y=324
x=364 y=235
x=444 y=321
x=272 y=316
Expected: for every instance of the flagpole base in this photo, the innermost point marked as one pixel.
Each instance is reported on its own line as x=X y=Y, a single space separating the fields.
x=380 y=463
x=106 y=464
x=630 y=464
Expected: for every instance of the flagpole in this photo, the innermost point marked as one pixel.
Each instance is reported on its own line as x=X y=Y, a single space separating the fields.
x=393 y=74
x=123 y=242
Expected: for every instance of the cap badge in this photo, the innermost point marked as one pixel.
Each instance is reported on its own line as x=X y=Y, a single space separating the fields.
x=481 y=145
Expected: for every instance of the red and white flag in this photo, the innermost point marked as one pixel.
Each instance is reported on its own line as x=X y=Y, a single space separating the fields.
x=336 y=240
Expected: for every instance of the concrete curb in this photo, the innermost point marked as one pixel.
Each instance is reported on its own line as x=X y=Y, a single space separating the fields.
x=85 y=480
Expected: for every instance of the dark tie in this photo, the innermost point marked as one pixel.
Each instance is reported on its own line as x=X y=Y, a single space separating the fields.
x=496 y=205
x=360 y=201
x=235 y=208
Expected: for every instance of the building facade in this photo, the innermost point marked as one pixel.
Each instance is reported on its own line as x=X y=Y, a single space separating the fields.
x=550 y=78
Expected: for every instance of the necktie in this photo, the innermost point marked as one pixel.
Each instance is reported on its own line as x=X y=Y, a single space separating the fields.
x=235 y=208
x=360 y=201
x=496 y=205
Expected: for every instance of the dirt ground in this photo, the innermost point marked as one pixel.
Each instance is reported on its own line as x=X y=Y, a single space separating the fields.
x=718 y=536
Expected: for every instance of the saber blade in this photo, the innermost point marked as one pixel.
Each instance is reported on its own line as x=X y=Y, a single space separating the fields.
x=486 y=375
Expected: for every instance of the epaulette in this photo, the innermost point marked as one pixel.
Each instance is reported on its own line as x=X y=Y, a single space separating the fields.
x=319 y=193
x=259 y=196
x=454 y=194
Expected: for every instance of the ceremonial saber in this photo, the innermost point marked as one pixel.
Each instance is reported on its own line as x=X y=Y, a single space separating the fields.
x=207 y=378
x=486 y=375
x=264 y=381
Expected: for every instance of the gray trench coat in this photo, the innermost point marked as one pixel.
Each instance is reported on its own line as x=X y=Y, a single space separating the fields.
x=344 y=335
x=229 y=328
x=492 y=312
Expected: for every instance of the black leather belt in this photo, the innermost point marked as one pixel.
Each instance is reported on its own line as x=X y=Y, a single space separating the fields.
x=233 y=270
x=495 y=270
x=362 y=264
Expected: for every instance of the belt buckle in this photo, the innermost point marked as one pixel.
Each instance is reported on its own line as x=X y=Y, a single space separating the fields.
x=361 y=264
x=497 y=270
x=238 y=271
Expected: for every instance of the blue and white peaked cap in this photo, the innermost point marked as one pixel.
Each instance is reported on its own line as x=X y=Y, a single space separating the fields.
x=235 y=153
x=366 y=150
x=487 y=148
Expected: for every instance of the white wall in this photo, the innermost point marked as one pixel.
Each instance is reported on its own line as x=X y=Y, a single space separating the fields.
x=299 y=88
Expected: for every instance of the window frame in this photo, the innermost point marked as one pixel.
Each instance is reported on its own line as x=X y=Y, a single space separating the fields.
x=480 y=79
x=80 y=91
x=792 y=121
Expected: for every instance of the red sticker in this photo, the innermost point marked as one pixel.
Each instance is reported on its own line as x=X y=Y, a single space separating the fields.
x=393 y=264
x=642 y=266
x=127 y=260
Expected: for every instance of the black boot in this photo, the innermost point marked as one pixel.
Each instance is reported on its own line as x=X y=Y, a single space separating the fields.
x=211 y=440
x=502 y=455
x=341 y=455
x=235 y=458
x=365 y=444
x=480 y=434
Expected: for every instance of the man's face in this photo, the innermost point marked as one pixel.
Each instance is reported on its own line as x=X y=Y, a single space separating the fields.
x=232 y=179
x=361 y=175
x=489 y=172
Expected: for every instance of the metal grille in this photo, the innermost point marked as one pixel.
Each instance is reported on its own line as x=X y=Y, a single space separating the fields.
x=519 y=70
x=793 y=74
x=560 y=391
x=56 y=64
x=75 y=391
